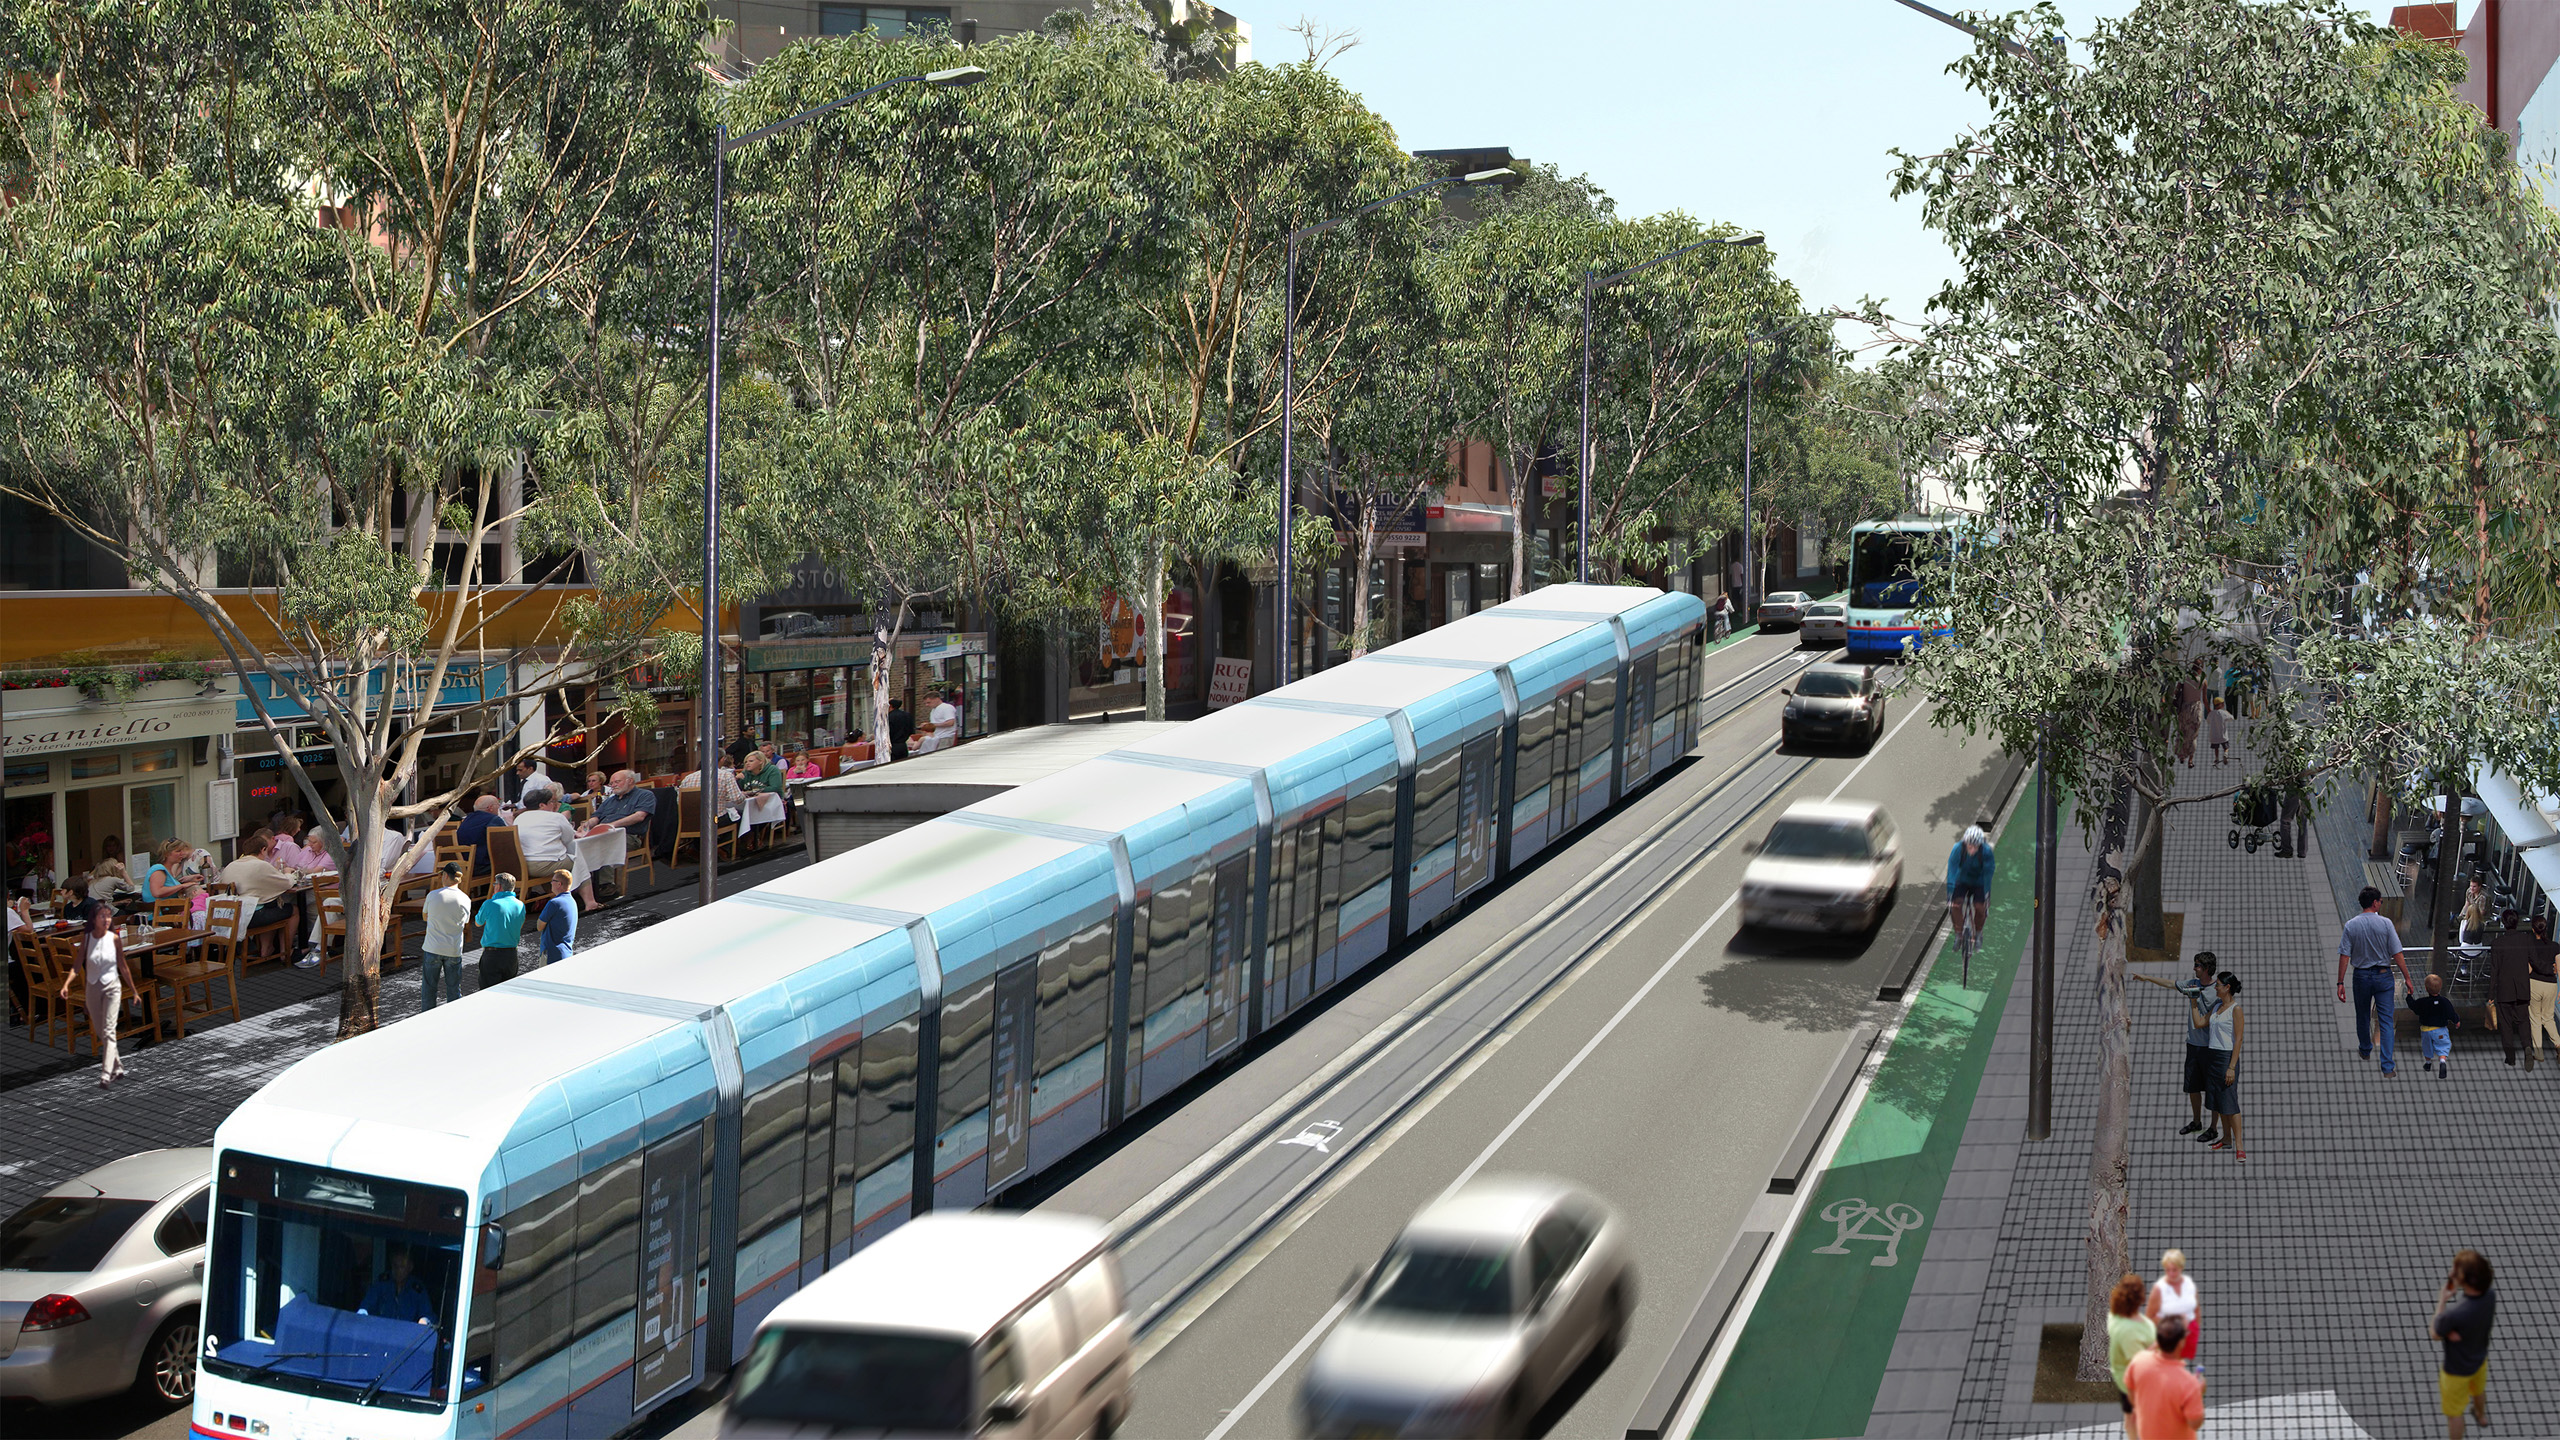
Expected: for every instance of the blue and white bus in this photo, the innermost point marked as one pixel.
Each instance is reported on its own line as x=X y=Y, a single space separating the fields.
x=1885 y=560
x=548 y=1209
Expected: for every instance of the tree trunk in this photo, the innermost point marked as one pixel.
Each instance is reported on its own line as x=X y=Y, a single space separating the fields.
x=1155 y=629
x=884 y=649
x=1524 y=494
x=2448 y=885
x=360 y=892
x=2150 y=926
x=2380 y=846
x=1360 y=584
x=2110 y=1206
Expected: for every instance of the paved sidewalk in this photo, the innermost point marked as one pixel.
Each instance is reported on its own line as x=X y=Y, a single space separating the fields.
x=176 y=1092
x=2319 y=1260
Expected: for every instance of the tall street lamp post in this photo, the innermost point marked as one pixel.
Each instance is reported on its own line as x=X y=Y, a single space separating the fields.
x=1590 y=283
x=1281 y=627
x=707 y=888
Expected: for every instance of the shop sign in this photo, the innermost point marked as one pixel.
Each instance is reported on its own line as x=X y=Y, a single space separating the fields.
x=950 y=647
x=463 y=685
x=1469 y=519
x=104 y=727
x=1229 y=682
x=1405 y=540
x=807 y=655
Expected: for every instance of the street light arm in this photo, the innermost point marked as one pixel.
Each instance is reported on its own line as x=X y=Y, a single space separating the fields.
x=1676 y=254
x=964 y=75
x=1478 y=178
x=1943 y=18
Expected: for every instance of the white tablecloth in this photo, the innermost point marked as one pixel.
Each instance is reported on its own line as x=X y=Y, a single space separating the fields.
x=594 y=852
x=764 y=809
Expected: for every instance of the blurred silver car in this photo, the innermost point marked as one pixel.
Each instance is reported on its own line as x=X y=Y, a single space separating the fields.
x=1826 y=865
x=1489 y=1300
x=1826 y=622
x=1783 y=608
x=100 y=1279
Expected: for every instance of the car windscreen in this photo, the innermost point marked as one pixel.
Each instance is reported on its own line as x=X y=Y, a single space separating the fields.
x=1826 y=685
x=1816 y=840
x=1450 y=1283
x=66 y=1233
x=856 y=1380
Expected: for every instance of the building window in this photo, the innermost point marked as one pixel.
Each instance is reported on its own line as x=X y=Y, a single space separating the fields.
x=30 y=772
x=45 y=554
x=94 y=767
x=892 y=21
x=149 y=762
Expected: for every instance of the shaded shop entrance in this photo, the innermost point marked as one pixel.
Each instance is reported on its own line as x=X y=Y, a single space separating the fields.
x=817 y=693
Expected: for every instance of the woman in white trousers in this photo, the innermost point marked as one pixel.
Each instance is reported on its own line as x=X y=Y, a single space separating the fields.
x=108 y=978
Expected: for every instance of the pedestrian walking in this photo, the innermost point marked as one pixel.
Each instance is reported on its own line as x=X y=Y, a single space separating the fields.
x=2196 y=988
x=2543 y=988
x=2475 y=922
x=1723 y=614
x=560 y=919
x=2370 y=944
x=2511 y=987
x=2168 y=1398
x=2465 y=1309
x=106 y=978
x=2129 y=1333
x=2227 y=1028
x=2174 y=1296
x=446 y=910
x=902 y=729
x=2217 y=732
x=501 y=931
x=2190 y=701
x=2437 y=1020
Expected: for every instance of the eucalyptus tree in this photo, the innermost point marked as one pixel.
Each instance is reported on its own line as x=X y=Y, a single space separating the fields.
x=923 y=273
x=1511 y=283
x=213 y=388
x=2184 y=259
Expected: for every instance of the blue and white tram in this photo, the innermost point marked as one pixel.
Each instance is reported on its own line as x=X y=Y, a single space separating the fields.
x=1888 y=613
x=554 y=1206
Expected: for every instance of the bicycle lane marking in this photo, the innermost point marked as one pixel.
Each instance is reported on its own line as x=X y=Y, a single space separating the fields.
x=1845 y=1274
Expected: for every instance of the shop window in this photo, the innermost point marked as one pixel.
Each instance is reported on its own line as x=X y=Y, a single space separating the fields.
x=152 y=762
x=96 y=767
x=151 y=816
x=30 y=772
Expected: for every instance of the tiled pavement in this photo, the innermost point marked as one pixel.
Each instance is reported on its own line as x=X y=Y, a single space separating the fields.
x=2318 y=1260
x=272 y=986
x=176 y=1092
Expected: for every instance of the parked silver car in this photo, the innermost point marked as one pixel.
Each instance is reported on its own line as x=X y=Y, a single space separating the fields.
x=1783 y=609
x=100 y=1279
x=1487 y=1303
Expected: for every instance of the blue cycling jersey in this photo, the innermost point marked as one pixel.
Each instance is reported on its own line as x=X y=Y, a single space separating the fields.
x=1974 y=870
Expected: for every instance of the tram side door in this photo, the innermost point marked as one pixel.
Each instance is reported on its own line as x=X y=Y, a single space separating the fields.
x=1017 y=996
x=1476 y=780
x=1230 y=927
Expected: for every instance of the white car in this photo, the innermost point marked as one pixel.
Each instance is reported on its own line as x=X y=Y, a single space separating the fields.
x=1827 y=865
x=1783 y=608
x=1826 y=622
x=1491 y=1298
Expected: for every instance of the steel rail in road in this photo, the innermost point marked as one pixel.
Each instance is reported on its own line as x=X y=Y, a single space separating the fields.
x=1250 y=1183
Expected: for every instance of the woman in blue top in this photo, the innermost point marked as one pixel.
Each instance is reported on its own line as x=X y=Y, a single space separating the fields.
x=162 y=882
x=1969 y=869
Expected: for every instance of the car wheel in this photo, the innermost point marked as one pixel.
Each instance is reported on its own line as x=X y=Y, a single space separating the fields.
x=1108 y=1425
x=168 y=1373
x=1613 y=1328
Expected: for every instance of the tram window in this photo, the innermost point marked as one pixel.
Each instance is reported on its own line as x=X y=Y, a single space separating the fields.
x=1435 y=820
x=817 y=1162
x=1570 y=735
x=608 y=1246
x=1074 y=1016
x=1230 y=935
x=1369 y=855
x=1284 y=892
x=535 y=1280
x=968 y=1022
x=769 y=1157
x=1531 y=767
x=843 y=1077
x=1600 y=698
x=1141 y=947
x=884 y=1155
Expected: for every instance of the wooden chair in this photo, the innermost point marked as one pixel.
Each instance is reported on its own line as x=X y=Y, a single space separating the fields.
x=689 y=826
x=28 y=953
x=636 y=855
x=178 y=912
x=455 y=853
x=220 y=962
x=408 y=903
x=506 y=853
x=67 y=1016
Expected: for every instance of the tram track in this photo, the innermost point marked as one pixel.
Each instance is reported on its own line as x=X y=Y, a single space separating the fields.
x=1177 y=1243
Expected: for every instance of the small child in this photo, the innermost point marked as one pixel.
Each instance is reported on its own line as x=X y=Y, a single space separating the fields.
x=2217 y=732
x=2436 y=1023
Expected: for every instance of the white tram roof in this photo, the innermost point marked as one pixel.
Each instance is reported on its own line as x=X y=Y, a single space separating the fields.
x=951 y=1274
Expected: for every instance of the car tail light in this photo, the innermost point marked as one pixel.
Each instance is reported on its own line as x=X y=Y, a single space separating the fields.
x=53 y=1312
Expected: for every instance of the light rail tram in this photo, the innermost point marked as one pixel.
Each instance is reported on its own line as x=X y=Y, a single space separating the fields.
x=551 y=1208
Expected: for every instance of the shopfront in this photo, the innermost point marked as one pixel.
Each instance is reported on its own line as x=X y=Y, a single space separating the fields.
x=1110 y=675
x=91 y=776
x=817 y=693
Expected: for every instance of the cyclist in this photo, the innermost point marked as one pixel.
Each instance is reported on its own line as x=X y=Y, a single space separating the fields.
x=1969 y=869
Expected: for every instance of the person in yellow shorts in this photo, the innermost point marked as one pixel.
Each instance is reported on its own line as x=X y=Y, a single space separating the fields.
x=2465 y=1309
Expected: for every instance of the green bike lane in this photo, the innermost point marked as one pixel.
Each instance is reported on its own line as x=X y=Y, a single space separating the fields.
x=1814 y=1348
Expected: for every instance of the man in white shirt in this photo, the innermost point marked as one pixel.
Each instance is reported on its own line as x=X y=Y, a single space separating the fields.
x=945 y=720
x=550 y=841
x=270 y=889
x=446 y=910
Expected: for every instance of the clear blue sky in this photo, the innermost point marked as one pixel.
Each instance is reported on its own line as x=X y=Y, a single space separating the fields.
x=1776 y=115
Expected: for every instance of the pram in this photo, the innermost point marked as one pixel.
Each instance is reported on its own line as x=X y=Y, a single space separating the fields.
x=2253 y=809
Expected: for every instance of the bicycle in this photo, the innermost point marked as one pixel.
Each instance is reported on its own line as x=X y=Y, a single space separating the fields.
x=1968 y=940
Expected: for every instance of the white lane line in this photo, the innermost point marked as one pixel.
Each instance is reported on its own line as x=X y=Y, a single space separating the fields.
x=1263 y=1386
x=1872 y=751
x=1591 y=1045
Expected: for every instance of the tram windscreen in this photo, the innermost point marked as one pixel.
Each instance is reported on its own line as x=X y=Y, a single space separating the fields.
x=333 y=1284
x=1884 y=566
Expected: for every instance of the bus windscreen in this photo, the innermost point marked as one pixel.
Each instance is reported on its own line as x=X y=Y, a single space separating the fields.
x=1883 y=568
